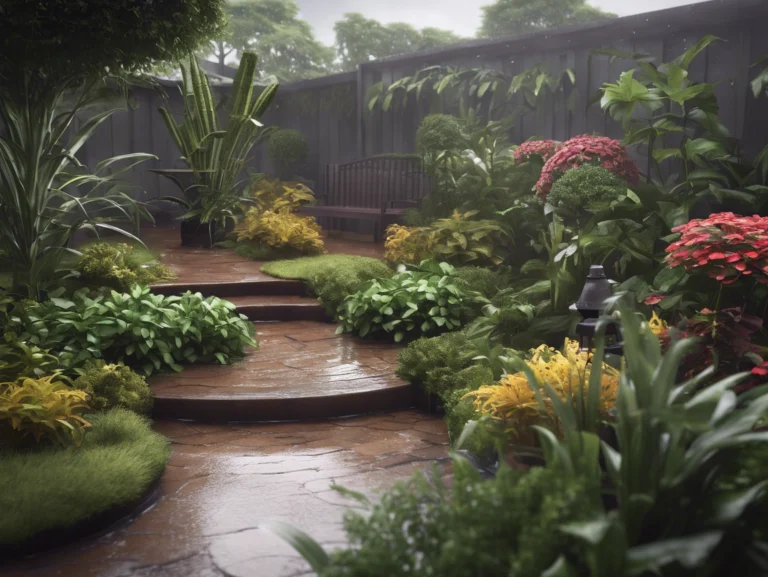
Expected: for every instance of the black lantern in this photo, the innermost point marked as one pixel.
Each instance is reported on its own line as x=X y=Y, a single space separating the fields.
x=591 y=305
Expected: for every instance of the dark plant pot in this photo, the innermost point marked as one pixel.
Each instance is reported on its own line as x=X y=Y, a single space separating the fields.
x=195 y=234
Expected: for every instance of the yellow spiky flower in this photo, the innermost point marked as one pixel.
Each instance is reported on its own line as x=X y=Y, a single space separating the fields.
x=513 y=403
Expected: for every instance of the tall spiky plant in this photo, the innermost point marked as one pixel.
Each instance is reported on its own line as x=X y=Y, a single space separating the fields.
x=216 y=155
x=46 y=194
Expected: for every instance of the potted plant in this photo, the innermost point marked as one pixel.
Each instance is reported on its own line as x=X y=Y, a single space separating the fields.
x=215 y=155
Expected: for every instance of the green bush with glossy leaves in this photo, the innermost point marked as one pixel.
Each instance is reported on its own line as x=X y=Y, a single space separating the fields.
x=419 y=300
x=148 y=332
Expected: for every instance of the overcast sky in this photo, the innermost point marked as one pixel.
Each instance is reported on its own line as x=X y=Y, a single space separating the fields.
x=461 y=16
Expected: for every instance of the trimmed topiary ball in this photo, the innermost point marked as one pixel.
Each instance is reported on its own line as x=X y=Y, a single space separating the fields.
x=287 y=149
x=110 y=386
x=438 y=132
x=586 y=187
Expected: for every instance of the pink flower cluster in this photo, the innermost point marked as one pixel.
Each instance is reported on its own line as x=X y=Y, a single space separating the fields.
x=724 y=246
x=542 y=148
x=587 y=149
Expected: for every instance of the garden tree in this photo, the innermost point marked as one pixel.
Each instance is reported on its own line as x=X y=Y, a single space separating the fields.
x=57 y=57
x=516 y=16
x=284 y=42
x=360 y=39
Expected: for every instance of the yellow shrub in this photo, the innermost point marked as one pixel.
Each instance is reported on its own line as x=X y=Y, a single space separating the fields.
x=282 y=230
x=408 y=244
x=513 y=403
x=44 y=408
x=657 y=325
x=278 y=196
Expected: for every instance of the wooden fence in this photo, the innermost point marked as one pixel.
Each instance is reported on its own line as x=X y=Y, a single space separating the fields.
x=333 y=113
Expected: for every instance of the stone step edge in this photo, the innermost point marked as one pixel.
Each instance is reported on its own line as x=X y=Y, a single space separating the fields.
x=234 y=289
x=268 y=409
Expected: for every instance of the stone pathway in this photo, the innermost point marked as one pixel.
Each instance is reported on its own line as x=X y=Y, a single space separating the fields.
x=302 y=370
x=224 y=480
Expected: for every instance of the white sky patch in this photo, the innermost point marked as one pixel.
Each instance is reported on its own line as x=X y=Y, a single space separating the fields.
x=461 y=16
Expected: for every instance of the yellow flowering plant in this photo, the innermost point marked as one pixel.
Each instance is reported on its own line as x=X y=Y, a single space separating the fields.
x=407 y=244
x=282 y=230
x=522 y=400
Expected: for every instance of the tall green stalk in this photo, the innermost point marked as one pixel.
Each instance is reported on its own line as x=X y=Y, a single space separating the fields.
x=46 y=194
x=216 y=155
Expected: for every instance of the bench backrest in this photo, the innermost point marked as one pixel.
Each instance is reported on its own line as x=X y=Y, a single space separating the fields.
x=372 y=182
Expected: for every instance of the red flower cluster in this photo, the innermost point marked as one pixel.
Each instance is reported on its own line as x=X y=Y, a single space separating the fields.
x=724 y=246
x=542 y=148
x=587 y=149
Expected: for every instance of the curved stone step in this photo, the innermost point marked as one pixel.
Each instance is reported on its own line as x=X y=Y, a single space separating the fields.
x=262 y=287
x=302 y=371
x=280 y=308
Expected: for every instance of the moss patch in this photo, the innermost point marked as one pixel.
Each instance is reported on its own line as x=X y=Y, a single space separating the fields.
x=51 y=488
x=332 y=277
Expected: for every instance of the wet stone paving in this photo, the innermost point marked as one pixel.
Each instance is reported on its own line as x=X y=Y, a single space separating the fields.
x=223 y=481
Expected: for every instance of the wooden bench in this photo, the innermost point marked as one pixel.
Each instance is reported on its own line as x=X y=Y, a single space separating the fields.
x=378 y=190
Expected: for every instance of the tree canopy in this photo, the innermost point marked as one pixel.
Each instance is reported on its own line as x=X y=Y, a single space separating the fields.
x=360 y=39
x=506 y=17
x=66 y=39
x=284 y=42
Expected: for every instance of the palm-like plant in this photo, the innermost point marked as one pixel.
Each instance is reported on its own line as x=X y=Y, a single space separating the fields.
x=46 y=194
x=217 y=155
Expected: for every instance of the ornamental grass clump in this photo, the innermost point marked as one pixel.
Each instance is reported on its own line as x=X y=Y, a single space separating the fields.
x=602 y=151
x=724 y=246
x=513 y=401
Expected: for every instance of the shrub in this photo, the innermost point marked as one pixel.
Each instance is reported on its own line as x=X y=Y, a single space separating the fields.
x=723 y=246
x=459 y=410
x=18 y=359
x=407 y=244
x=287 y=149
x=507 y=525
x=331 y=277
x=586 y=149
x=119 y=267
x=542 y=149
x=486 y=281
x=275 y=195
x=513 y=403
x=438 y=132
x=43 y=408
x=259 y=252
x=461 y=240
x=423 y=300
x=283 y=231
x=421 y=358
x=50 y=488
x=110 y=386
x=145 y=331
x=586 y=187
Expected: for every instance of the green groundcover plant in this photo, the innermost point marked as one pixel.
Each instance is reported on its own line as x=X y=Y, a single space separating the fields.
x=52 y=488
x=419 y=300
x=332 y=277
x=109 y=386
x=120 y=266
x=151 y=333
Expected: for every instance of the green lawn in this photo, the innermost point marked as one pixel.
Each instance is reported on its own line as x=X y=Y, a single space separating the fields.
x=119 y=458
